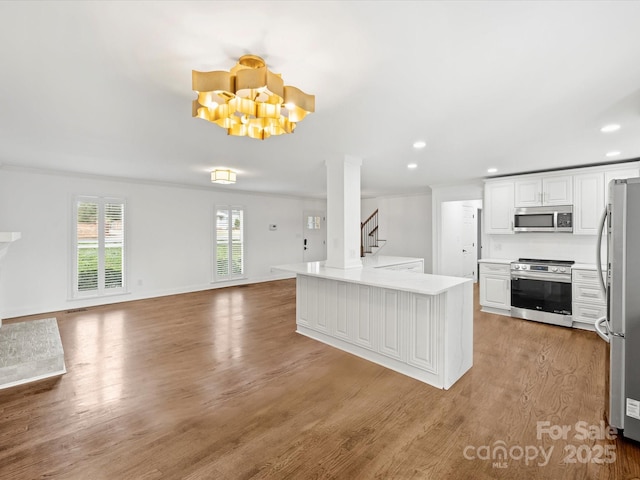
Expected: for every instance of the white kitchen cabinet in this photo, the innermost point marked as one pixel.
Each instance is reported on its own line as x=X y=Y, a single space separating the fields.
x=584 y=188
x=588 y=302
x=498 y=207
x=590 y=195
x=495 y=288
x=589 y=201
x=537 y=191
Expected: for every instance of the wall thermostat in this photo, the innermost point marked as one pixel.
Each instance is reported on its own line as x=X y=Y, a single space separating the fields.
x=273 y=226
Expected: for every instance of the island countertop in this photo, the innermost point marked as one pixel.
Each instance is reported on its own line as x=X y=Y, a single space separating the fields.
x=421 y=283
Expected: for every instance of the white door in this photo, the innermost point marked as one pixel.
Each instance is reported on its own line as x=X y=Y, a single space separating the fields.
x=314 y=236
x=469 y=236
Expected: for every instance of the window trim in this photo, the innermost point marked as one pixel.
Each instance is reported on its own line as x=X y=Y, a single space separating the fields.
x=74 y=292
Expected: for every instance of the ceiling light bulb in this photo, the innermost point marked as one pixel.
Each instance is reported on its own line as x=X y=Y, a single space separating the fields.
x=412 y=165
x=492 y=170
x=610 y=128
x=420 y=144
x=613 y=154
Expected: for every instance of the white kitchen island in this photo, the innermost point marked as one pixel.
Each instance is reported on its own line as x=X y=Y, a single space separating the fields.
x=416 y=324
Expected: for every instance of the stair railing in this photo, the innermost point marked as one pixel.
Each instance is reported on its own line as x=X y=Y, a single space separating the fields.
x=369 y=234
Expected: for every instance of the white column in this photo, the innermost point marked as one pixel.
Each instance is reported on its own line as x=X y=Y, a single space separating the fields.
x=343 y=213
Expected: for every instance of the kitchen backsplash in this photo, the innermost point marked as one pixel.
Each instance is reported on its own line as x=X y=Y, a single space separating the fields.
x=556 y=246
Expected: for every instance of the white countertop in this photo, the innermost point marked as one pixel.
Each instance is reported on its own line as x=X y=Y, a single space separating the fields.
x=421 y=283
x=495 y=260
x=381 y=261
x=6 y=237
x=586 y=266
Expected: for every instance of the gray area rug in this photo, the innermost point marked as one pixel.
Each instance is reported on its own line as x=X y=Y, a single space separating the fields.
x=30 y=351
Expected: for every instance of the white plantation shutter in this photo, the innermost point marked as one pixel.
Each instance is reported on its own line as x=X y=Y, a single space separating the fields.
x=229 y=245
x=99 y=246
x=113 y=245
x=86 y=266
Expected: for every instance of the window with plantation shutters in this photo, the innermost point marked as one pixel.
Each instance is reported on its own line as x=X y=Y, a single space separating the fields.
x=99 y=246
x=229 y=235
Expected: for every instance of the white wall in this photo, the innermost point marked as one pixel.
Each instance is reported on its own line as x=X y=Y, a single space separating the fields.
x=405 y=223
x=169 y=237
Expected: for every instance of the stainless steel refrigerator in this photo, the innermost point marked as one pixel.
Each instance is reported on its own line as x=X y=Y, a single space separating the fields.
x=621 y=284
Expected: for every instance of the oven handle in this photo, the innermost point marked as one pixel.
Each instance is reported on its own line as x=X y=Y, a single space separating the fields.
x=541 y=276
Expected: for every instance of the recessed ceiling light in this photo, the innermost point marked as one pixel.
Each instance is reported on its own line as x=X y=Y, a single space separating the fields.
x=419 y=144
x=412 y=165
x=612 y=127
x=613 y=154
x=492 y=170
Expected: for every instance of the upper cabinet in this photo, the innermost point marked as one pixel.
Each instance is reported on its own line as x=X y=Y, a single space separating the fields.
x=588 y=202
x=535 y=191
x=591 y=196
x=498 y=207
x=584 y=188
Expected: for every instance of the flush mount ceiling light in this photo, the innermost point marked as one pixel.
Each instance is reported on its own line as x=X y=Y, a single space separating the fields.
x=249 y=100
x=412 y=165
x=613 y=154
x=610 y=128
x=419 y=144
x=223 y=176
x=492 y=170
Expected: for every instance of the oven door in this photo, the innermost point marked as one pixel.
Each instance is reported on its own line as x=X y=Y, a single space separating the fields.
x=536 y=297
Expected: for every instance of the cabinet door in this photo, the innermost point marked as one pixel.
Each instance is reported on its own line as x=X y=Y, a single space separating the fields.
x=362 y=315
x=557 y=190
x=528 y=192
x=498 y=208
x=391 y=331
x=495 y=291
x=588 y=203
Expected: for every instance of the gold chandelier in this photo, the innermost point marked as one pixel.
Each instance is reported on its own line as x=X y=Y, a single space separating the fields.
x=249 y=100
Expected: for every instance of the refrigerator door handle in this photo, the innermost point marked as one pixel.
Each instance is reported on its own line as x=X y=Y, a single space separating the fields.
x=601 y=329
x=603 y=221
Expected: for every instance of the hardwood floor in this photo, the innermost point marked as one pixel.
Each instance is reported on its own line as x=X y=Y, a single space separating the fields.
x=217 y=385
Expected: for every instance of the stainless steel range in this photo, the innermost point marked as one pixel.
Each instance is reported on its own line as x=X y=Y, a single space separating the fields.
x=541 y=290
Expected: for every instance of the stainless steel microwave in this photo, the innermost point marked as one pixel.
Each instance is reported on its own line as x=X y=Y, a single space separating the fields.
x=557 y=218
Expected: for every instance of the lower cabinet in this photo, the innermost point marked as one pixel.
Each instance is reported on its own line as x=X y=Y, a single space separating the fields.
x=495 y=288
x=589 y=303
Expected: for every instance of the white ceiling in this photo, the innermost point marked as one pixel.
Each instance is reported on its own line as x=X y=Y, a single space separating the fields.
x=105 y=88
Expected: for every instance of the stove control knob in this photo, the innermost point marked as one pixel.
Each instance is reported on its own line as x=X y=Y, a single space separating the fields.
x=516 y=267
x=562 y=269
x=554 y=269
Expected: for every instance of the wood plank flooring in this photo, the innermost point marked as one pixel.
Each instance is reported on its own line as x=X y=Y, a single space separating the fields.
x=217 y=385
